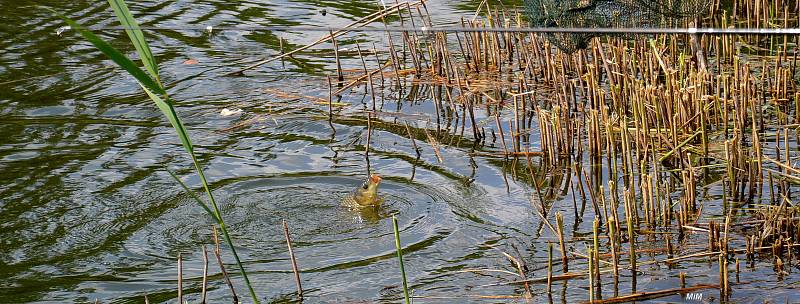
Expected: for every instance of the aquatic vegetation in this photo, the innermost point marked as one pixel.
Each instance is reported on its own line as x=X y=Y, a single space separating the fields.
x=642 y=125
x=399 y=248
x=151 y=84
x=684 y=148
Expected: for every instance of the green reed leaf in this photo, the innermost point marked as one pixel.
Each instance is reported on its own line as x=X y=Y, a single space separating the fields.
x=153 y=88
x=115 y=55
x=194 y=196
x=137 y=37
x=400 y=258
x=169 y=111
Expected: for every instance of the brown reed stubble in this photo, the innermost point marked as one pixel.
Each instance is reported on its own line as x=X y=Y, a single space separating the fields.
x=659 y=119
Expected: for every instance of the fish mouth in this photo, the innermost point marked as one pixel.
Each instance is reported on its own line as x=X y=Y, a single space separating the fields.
x=375 y=179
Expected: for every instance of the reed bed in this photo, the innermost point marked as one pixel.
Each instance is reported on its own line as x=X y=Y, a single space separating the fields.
x=638 y=127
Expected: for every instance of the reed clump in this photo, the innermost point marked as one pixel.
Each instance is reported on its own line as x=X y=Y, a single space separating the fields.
x=637 y=126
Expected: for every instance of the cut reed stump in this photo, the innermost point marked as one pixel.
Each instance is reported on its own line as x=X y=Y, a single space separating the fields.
x=295 y=269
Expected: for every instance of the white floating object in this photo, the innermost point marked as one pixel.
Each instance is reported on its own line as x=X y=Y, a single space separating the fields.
x=229 y=112
x=62 y=29
x=209 y=29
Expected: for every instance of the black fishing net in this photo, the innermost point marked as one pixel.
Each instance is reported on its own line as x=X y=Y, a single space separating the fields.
x=607 y=14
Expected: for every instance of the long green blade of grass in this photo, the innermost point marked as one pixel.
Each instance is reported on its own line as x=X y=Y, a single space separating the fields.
x=155 y=91
x=400 y=258
x=191 y=193
x=169 y=111
x=137 y=37
x=115 y=56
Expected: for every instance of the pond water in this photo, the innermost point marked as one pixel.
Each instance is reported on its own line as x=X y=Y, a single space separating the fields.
x=87 y=210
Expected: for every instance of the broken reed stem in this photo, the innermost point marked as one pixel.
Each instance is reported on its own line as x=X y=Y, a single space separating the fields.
x=330 y=101
x=562 y=242
x=612 y=237
x=632 y=252
x=725 y=279
x=590 y=269
x=180 y=278
x=370 y=85
x=369 y=141
x=722 y=291
x=293 y=259
x=683 y=143
x=596 y=256
x=520 y=264
x=205 y=276
x=400 y=259
x=361 y=78
x=338 y=62
x=218 y=254
x=413 y=142
x=549 y=268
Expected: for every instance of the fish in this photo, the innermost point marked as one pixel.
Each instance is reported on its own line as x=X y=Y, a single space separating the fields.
x=365 y=195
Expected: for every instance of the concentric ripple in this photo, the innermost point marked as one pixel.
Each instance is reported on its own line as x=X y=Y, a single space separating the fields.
x=320 y=224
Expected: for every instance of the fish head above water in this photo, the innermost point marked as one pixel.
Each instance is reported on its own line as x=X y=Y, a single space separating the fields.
x=367 y=193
